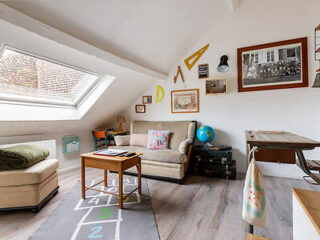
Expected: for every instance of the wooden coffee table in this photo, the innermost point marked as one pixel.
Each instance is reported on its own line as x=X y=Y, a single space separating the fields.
x=117 y=164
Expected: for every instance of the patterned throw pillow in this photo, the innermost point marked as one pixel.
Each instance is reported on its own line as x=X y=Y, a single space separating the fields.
x=158 y=140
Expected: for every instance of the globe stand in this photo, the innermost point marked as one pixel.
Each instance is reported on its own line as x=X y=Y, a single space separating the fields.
x=208 y=145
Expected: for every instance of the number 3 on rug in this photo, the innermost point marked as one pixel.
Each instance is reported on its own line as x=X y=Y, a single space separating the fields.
x=94 y=231
x=105 y=213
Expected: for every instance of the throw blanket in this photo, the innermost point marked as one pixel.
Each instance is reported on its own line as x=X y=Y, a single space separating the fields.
x=21 y=156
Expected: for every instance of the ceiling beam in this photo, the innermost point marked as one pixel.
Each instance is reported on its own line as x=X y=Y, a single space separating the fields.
x=19 y=19
x=233 y=4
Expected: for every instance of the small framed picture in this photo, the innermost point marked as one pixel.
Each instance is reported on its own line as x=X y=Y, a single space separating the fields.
x=146 y=99
x=140 y=108
x=216 y=86
x=203 y=70
x=185 y=101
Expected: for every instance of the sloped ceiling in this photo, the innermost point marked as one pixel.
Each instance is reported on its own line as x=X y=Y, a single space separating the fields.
x=154 y=34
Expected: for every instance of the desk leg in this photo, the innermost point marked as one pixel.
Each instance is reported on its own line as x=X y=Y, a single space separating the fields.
x=302 y=161
x=139 y=176
x=120 y=190
x=83 y=179
x=106 y=178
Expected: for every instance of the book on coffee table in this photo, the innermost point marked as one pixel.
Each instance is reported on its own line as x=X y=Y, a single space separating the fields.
x=109 y=152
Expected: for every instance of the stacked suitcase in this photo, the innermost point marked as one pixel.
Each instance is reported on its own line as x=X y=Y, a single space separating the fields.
x=213 y=162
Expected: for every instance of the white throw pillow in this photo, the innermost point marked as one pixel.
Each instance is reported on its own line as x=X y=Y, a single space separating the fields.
x=122 y=140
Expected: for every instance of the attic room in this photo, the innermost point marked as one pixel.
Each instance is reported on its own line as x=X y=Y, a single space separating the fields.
x=160 y=120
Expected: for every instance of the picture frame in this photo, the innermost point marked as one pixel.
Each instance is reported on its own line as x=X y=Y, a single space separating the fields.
x=140 y=108
x=203 y=71
x=185 y=101
x=276 y=65
x=317 y=43
x=146 y=99
x=216 y=86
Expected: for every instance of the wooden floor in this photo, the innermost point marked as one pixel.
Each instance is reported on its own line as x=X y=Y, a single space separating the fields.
x=202 y=208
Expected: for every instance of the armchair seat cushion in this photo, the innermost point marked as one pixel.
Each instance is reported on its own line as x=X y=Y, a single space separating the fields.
x=165 y=156
x=32 y=175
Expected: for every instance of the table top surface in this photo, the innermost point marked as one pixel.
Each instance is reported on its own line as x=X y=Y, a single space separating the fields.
x=309 y=201
x=108 y=158
x=279 y=138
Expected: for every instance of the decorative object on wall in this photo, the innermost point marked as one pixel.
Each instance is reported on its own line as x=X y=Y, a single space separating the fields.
x=223 y=65
x=203 y=70
x=316 y=83
x=216 y=86
x=185 y=101
x=140 y=108
x=273 y=66
x=195 y=57
x=121 y=120
x=179 y=72
x=317 y=43
x=159 y=97
x=70 y=144
x=146 y=99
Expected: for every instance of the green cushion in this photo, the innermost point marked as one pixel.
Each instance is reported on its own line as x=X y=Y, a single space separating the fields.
x=21 y=156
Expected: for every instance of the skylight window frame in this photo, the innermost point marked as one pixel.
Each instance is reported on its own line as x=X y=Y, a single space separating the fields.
x=41 y=101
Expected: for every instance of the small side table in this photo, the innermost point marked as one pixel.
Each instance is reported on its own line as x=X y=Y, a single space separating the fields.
x=117 y=164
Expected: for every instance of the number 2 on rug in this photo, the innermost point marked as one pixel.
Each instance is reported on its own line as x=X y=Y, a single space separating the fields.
x=94 y=231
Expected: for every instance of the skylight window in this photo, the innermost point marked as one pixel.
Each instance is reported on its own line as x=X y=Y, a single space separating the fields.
x=25 y=77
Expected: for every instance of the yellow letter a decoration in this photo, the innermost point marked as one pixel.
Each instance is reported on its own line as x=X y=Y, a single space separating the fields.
x=195 y=57
x=159 y=89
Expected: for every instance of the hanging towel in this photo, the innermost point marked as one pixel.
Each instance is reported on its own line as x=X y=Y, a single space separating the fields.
x=254 y=196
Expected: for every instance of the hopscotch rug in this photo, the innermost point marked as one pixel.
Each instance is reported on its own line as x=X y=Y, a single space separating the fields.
x=98 y=216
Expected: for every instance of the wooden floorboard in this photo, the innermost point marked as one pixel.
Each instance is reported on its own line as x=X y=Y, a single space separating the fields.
x=202 y=208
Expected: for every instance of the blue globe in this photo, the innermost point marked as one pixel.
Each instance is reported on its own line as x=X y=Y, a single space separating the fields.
x=205 y=134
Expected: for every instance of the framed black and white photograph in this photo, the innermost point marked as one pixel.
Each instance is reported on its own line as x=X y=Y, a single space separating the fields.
x=273 y=66
x=216 y=86
x=203 y=71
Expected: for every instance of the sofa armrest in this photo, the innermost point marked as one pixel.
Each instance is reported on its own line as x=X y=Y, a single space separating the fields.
x=183 y=147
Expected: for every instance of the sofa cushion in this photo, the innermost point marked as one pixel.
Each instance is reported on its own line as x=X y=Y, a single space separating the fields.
x=32 y=175
x=179 y=130
x=166 y=156
x=139 y=140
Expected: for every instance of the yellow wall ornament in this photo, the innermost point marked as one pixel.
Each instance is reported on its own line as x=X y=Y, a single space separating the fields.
x=195 y=57
x=159 y=97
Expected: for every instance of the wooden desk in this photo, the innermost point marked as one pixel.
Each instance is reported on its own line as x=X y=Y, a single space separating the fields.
x=117 y=164
x=270 y=140
x=286 y=141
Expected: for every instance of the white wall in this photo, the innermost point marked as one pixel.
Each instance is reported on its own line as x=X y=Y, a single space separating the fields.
x=66 y=160
x=254 y=22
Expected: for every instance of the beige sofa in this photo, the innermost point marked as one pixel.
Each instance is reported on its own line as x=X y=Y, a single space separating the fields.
x=170 y=164
x=30 y=187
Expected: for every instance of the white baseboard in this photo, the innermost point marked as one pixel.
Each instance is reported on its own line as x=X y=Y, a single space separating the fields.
x=283 y=170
